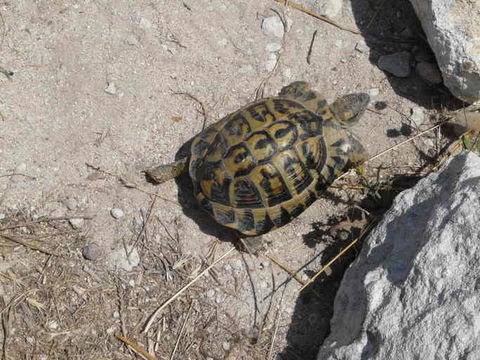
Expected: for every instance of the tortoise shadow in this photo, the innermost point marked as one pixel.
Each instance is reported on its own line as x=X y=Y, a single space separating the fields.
x=391 y=26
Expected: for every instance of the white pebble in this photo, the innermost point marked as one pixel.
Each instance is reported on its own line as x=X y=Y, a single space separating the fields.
x=76 y=223
x=52 y=325
x=71 y=204
x=116 y=314
x=111 y=88
x=362 y=46
x=2 y=216
x=131 y=40
x=273 y=26
x=210 y=293
x=117 y=213
x=272 y=47
x=373 y=92
x=271 y=62
x=226 y=346
x=417 y=116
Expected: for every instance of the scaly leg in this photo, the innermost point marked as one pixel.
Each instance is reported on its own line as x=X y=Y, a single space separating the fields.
x=163 y=173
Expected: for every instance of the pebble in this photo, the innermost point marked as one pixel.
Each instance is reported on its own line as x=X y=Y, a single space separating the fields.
x=429 y=72
x=373 y=92
x=116 y=314
x=76 y=223
x=226 y=346
x=71 y=204
x=237 y=264
x=92 y=252
x=2 y=216
x=397 y=64
x=52 y=325
x=273 y=47
x=271 y=62
x=118 y=258
x=117 y=213
x=245 y=69
x=273 y=26
x=362 y=46
x=417 y=116
x=210 y=293
x=131 y=40
x=111 y=88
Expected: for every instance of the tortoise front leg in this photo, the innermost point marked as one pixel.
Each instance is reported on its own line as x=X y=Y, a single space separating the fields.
x=162 y=173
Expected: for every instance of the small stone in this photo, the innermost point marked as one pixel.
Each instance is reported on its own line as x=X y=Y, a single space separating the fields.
x=210 y=293
x=131 y=40
x=237 y=264
x=2 y=216
x=52 y=325
x=273 y=47
x=119 y=260
x=145 y=23
x=245 y=69
x=417 y=116
x=397 y=64
x=362 y=46
x=273 y=26
x=429 y=72
x=111 y=88
x=339 y=43
x=117 y=213
x=92 y=252
x=71 y=204
x=226 y=346
x=271 y=62
x=116 y=314
x=222 y=42
x=287 y=72
x=373 y=92
x=328 y=8
x=76 y=223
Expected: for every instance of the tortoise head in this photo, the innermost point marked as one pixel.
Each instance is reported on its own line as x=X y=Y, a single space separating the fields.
x=349 y=108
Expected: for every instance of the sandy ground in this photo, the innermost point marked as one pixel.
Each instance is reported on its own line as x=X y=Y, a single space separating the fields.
x=92 y=101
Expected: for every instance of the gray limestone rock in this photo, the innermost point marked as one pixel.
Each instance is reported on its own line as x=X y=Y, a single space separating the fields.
x=414 y=290
x=397 y=64
x=453 y=31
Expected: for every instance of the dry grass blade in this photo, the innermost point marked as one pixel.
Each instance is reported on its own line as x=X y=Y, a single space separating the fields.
x=315 y=15
x=183 y=289
x=309 y=54
x=181 y=331
x=135 y=347
x=200 y=102
x=28 y=223
x=29 y=245
x=130 y=184
x=292 y=273
x=336 y=257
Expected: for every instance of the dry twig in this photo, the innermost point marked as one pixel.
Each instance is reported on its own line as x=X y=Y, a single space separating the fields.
x=200 y=102
x=135 y=347
x=315 y=15
x=29 y=245
x=181 y=331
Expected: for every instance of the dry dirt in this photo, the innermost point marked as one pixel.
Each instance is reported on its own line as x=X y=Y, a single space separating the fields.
x=91 y=103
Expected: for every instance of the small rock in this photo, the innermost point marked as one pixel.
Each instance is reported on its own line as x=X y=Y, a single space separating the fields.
x=362 y=47
x=237 y=264
x=145 y=23
x=328 y=8
x=2 y=216
x=373 y=92
x=71 y=204
x=339 y=43
x=226 y=346
x=52 y=325
x=111 y=88
x=397 y=64
x=273 y=26
x=117 y=213
x=245 y=69
x=118 y=258
x=131 y=40
x=271 y=62
x=210 y=293
x=429 y=72
x=76 y=223
x=92 y=252
x=116 y=314
x=273 y=47
x=417 y=116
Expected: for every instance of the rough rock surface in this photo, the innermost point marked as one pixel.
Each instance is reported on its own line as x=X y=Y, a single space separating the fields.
x=453 y=31
x=413 y=293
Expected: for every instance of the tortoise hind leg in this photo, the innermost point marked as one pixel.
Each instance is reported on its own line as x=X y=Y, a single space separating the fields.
x=162 y=173
x=301 y=92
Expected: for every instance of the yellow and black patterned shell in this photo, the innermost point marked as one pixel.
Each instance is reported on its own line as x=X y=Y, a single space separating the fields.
x=263 y=165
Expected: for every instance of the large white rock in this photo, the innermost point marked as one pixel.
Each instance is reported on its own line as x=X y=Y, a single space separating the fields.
x=453 y=31
x=414 y=291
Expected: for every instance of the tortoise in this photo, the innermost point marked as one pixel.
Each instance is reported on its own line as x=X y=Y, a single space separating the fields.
x=263 y=165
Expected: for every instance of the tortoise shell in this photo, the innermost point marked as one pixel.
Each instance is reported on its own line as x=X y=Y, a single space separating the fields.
x=263 y=165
